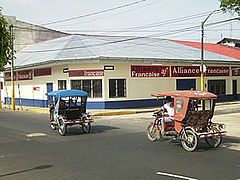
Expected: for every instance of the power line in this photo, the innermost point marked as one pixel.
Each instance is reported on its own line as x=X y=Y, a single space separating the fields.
x=150 y=25
x=182 y=30
x=126 y=11
x=94 y=13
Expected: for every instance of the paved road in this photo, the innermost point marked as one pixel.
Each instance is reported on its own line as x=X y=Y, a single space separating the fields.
x=117 y=148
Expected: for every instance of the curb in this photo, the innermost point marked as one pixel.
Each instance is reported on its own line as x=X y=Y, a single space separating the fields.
x=121 y=113
x=94 y=114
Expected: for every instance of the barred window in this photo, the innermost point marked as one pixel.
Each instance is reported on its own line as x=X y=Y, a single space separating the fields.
x=117 y=88
x=92 y=87
x=217 y=86
x=62 y=84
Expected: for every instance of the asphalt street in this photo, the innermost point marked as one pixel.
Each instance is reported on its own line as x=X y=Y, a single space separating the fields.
x=116 y=148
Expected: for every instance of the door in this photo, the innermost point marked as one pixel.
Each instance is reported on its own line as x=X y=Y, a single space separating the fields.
x=49 y=89
x=234 y=89
x=186 y=84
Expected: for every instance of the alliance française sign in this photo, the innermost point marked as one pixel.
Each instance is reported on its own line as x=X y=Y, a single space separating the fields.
x=177 y=71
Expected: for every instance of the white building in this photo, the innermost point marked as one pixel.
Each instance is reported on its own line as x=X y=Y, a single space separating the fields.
x=121 y=72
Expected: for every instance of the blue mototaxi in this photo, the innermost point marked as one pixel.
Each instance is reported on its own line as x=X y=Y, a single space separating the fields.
x=67 y=108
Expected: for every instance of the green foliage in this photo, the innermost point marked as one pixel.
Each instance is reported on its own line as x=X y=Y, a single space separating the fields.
x=230 y=6
x=5 y=42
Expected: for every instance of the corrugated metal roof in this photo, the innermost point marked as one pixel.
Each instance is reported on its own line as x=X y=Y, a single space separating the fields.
x=88 y=46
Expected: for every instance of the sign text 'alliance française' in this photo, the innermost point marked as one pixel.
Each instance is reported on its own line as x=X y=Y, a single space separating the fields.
x=150 y=71
x=177 y=71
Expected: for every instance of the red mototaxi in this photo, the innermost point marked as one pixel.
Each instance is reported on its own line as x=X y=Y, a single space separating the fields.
x=192 y=122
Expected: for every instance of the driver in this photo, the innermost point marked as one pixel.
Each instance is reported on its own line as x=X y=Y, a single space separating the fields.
x=168 y=106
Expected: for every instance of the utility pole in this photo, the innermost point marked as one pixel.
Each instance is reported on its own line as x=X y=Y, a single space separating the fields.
x=12 y=68
x=0 y=94
x=202 y=49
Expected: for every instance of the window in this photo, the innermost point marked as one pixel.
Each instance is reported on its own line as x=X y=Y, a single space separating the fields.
x=117 y=88
x=217 y=86
x=1 y=85
x=92 y=87
x=62 y=84
x=179 y=105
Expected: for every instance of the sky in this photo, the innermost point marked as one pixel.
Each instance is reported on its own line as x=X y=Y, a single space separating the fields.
x=167 y=19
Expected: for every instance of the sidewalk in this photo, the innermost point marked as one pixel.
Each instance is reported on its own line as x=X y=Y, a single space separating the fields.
x=108 y=112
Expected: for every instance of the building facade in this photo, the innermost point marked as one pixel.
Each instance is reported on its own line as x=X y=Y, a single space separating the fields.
x=120 y=72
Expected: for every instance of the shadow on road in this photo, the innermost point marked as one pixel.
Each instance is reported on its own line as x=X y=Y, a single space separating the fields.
x=26 y=170
x=77 y=130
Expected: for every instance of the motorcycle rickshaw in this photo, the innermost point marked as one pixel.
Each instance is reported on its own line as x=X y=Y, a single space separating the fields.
x=68 y=108
x=193 y=112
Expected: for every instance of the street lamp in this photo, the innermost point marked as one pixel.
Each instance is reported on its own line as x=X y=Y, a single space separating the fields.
x=202 y=51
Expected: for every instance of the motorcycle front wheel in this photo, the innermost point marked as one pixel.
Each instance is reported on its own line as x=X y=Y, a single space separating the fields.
x=151 y=133
x=53 y=126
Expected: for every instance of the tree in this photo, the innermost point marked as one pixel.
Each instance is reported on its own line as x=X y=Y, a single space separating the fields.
x=230 y=5
x=5 y=42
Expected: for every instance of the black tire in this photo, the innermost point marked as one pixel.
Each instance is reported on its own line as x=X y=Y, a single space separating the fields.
x=151 y=133
x=62 y=129
x=213 y=141
x=52 y=123
x=86 y=128
x=53 y=126
x=190 y=142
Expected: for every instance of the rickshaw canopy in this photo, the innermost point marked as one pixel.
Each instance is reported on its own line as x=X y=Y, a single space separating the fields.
x=68 y=93
x=191 y=94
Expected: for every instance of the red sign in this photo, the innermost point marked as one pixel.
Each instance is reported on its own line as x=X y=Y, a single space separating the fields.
x=150 y=71
x=8 y=76
x=235 y=71
x=75 y=73
x=42 y=72
x=36 y=88
x=217 y=71
x=185 y=71
x=25 y=75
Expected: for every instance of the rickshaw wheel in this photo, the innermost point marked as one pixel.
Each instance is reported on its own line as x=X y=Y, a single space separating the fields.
x=151 y=133
x=86 y=128
x=190 y=142
x=62 y=129
x=214 y=141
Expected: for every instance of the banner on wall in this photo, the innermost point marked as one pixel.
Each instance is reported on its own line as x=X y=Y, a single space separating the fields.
x=235 y=71
x=86 y=73
x=25 y=75
x=150 y=71
x=194 y=71
x=42 y=72
x=8 y=76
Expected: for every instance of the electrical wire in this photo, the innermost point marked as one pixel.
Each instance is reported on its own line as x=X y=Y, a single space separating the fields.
x=126 y=11
x=133 y=38
x=94 y=13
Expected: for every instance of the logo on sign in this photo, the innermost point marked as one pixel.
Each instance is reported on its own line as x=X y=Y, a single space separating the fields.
x=150 y=71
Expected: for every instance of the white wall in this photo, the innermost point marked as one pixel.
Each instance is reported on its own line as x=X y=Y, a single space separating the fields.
x=137 y=88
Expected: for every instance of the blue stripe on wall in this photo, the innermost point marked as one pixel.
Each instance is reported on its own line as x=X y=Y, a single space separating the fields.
x=126 y=104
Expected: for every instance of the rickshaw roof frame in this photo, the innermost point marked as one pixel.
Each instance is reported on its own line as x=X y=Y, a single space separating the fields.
x=68 y=93
x=191 y=94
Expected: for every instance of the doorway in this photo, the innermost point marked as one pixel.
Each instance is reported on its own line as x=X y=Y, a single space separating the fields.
x=49 y=89
x=234 y=89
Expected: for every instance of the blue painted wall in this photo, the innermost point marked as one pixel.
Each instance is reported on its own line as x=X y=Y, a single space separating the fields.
x=126 y=104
